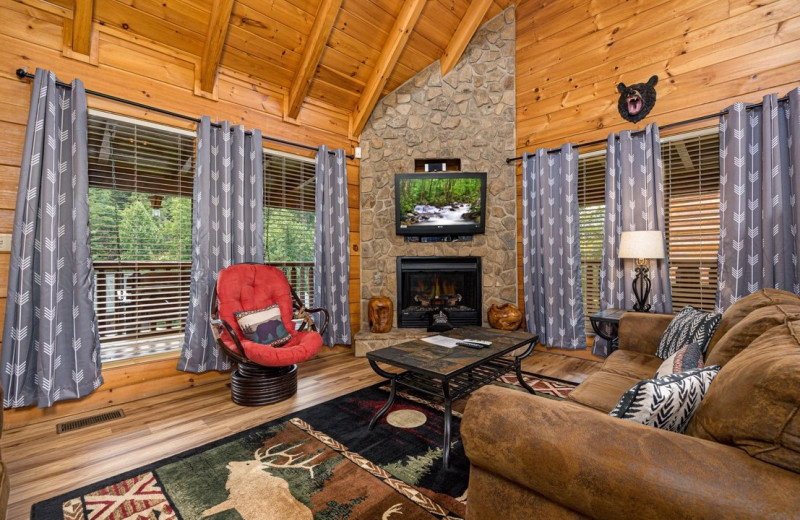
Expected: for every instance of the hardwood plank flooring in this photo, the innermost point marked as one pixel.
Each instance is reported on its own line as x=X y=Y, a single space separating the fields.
x=42 y=464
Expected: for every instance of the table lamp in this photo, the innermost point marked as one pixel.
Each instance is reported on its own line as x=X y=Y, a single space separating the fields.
x=641 y=246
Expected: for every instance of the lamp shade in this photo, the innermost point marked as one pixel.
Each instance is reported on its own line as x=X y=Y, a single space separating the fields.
x=641 y=244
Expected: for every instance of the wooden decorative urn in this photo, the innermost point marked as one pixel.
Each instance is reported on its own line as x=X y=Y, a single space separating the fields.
x=379 y=312
x=505 y=317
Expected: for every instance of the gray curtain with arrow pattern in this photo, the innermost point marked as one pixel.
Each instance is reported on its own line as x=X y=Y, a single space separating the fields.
x=332 y=245
x=51 y=347
x=551 y=249
x=634 y=202
x=759 y=188
x=228 y=228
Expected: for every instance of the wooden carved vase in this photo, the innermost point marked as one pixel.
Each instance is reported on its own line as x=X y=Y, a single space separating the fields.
x=379 y=312
x=505 y=317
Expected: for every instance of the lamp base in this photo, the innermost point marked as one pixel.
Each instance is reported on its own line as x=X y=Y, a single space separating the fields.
x=641 y=288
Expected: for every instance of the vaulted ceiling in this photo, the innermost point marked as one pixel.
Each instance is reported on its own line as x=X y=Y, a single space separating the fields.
x=346 y=53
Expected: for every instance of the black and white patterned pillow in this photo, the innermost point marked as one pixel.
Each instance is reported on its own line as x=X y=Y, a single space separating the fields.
x=688 y=326
x=668 y=402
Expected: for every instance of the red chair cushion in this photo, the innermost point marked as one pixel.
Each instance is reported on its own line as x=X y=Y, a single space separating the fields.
x=244 y=287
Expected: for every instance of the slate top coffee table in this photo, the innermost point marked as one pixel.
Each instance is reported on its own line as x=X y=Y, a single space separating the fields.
x=451 y=373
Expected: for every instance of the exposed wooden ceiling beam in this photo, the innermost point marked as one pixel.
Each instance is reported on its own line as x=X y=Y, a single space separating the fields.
x=398 y=37
x=215 y=40
x=320 y=32
x=466 y=30
x=82 y=12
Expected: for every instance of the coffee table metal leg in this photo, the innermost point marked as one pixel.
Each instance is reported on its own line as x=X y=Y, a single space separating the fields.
x=392 y=393
x=518 y=367
x=448 y=416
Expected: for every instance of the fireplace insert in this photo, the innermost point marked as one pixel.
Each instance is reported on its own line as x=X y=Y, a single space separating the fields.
x=426 y=285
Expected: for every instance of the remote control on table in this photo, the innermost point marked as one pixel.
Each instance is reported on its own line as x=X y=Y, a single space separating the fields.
x=478 y=341
x=473 y=343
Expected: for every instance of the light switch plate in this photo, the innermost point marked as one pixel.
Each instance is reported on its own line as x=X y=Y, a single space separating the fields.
x=5 y=243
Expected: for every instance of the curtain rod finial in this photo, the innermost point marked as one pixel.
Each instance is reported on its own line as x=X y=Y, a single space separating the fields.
x=22 y=73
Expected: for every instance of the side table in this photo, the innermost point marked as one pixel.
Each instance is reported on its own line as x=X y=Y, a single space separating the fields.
x=606 y=325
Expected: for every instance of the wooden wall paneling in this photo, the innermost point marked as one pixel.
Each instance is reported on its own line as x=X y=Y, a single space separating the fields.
x=20 y=23
x=246 y=45
x=276 y=31
x=11 y=139
x=133 y=58
x=192 y=15
x=332 y=93
x=349 y=86
x=290 y=15
x=150 y=26
x=437 y=24
x=8 y=193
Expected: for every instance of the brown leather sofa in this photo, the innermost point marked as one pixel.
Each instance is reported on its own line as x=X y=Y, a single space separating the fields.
x=533 y=457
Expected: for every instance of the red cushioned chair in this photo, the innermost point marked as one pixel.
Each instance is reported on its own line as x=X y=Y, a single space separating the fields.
x=264 y=374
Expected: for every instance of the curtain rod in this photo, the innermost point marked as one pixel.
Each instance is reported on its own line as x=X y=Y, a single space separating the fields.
x=22 y=74
x=665 y=127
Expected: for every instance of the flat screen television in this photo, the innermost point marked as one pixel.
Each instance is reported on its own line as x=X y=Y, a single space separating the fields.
x=440 y=203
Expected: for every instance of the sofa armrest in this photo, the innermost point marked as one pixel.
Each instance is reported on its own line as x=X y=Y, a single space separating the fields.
x=642 y=331
x=605 y=467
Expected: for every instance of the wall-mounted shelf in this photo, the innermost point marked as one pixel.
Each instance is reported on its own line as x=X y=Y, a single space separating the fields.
x=437 y=165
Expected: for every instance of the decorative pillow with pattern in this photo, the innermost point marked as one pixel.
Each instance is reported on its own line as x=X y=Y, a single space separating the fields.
x=668 y=402
x=263 y=326
x=688 y=326
x=690 y=356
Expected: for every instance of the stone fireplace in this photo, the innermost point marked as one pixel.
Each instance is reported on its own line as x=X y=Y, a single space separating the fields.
x=429 y=284
x=468 y=114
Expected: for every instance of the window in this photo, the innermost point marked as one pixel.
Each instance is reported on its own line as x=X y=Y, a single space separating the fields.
x=691 y=201
x=289 y=206
x=592 y=211
x=140 y=215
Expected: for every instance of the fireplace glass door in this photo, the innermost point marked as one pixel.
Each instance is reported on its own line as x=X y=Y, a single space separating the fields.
x=429 y=284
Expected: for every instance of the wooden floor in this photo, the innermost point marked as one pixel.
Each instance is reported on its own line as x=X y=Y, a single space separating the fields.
x=42 y=464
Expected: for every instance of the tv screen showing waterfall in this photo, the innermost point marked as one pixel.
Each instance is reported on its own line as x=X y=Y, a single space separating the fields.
x=439 y=203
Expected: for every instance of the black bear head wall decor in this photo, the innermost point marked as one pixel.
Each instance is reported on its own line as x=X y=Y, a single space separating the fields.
x=636 y=101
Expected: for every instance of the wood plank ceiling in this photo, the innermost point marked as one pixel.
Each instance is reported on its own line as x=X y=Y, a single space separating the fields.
x=342 y=53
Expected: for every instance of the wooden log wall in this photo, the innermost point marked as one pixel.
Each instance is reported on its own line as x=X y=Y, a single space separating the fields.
x=33 y=34
x=707 y=54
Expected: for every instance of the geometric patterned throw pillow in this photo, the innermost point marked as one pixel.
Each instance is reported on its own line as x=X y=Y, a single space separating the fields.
x=690 y=356
x=688 y=326
x=263 y=326
x=668 y=402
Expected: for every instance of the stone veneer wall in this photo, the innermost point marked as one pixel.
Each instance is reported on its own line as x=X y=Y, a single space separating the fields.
x=468 y=114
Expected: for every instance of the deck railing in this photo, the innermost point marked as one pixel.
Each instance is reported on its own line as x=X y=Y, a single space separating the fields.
x=135 y=301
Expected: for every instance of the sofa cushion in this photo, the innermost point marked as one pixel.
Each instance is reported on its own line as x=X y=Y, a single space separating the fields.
x=688 y=326
x=749 y=328
x=736 y=312
x=754 y=403
x=690 y=356
x=632 y=364
x=668 y=402
x=602 y=390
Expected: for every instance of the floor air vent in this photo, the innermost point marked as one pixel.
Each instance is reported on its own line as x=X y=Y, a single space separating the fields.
x=89 y=421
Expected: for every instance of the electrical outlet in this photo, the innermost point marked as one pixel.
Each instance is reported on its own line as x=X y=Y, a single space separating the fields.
x=5 y=243
x=357 y=153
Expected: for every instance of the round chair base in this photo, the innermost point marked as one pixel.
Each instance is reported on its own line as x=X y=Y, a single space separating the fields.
x=254 y=385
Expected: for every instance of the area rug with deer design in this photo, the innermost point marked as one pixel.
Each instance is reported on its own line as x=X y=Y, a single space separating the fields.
x=320 y=463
